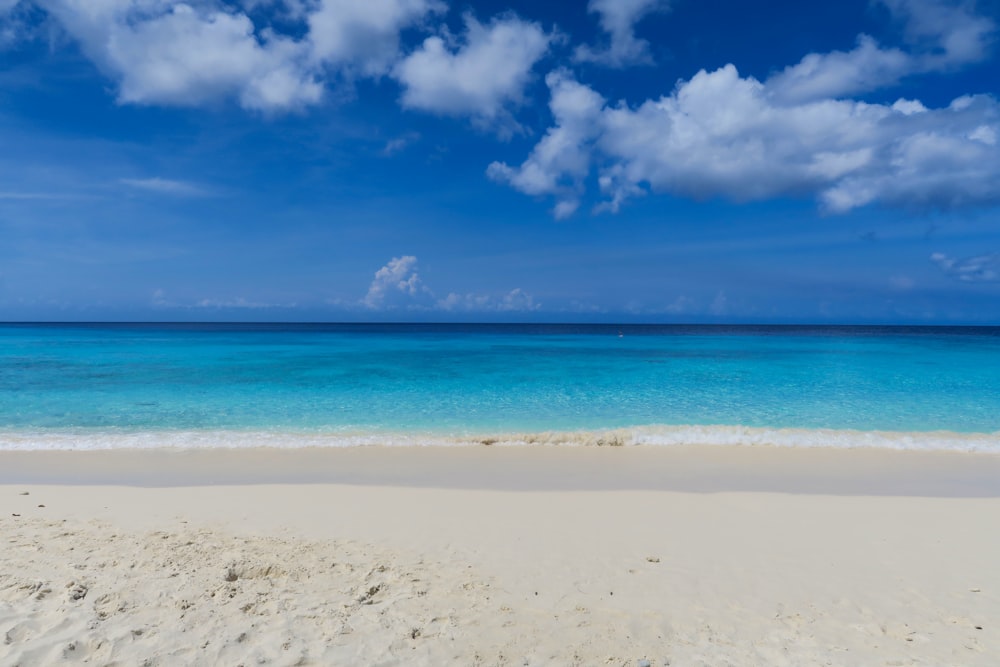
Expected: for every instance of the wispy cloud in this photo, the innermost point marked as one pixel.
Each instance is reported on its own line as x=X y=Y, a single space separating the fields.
x=240 y=303
x=978 y=269
x=942 y=36
x=33 y=195
x=516 y=300
x=166 y=186
x=901 y=282
x=398 y=144
x=160 y=300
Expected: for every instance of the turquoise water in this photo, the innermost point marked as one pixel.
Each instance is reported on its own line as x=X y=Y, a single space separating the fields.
x=119 y=385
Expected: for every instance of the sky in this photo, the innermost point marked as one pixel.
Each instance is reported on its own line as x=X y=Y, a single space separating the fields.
x=835 y=161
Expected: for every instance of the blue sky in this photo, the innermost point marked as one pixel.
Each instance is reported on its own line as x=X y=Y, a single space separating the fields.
x=628 y=160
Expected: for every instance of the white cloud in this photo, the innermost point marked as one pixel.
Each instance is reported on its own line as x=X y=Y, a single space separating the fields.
x=202 y=52
x=239 y=303
x=517 y=300
x=561 y=160
x=618 y=19
x=984 y=134
x=165 y=52
x=839 y=73
x=362 y=36
x=982 y=268
x=722 y=135
x=943 y=35
x=395 y=284
x=479 y=77
x=166 y=186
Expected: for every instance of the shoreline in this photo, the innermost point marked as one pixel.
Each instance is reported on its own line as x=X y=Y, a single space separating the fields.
x=691 y=469
x=659 y=435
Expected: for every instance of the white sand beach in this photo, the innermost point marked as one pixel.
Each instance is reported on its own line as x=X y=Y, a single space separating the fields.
x=500 y=556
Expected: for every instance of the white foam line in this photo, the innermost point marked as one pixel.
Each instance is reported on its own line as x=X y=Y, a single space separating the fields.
x=646 y=435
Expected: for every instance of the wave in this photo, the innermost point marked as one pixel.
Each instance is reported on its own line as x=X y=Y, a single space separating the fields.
x=47 y=440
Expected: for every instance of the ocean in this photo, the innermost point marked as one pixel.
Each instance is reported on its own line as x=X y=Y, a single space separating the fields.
x=97 y=386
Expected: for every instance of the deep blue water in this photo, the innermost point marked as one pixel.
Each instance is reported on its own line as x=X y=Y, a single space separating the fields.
x=98 y=380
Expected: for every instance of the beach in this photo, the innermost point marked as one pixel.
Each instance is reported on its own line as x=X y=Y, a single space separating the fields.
x=500 y=556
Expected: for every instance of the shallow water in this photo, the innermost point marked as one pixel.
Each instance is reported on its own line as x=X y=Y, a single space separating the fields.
x=84 y=386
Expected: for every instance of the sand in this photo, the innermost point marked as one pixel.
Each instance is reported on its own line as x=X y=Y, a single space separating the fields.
x=514 y=556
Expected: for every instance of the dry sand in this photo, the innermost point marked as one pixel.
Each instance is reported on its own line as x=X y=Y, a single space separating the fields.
x=486 y=556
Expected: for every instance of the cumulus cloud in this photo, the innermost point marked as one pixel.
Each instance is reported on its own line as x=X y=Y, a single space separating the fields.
x=723 y=135
x=618 y=18
x=396 y=283
x=476 y=76
x=978 y=269
x=561 y=160
x=172 y=53
x=942 y=35
x=362 y=37
x=200 y=52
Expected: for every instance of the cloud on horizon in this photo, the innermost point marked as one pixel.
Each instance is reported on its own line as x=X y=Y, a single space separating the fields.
x=397 y=285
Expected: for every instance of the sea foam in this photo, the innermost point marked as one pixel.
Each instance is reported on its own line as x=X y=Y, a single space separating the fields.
x=657 y=436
